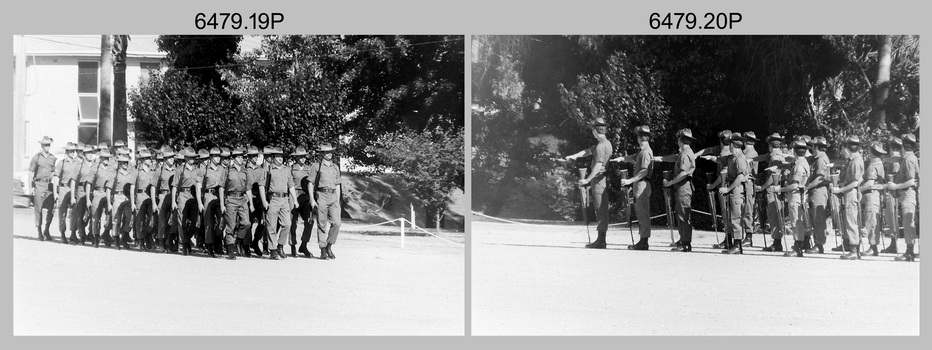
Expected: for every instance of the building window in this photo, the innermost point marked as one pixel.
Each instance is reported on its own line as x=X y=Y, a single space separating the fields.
x=146 y=68
x=88 y=94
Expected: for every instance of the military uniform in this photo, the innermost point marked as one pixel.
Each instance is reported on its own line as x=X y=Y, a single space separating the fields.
x=166 y=213
x=103 y=180
x=122 y=211
x=214 y=178
x=737 y=165
x=909 y=170
x=853 y=172
x=870 y=202
x=280 y=185
x=818 y=197
x=599 y=183
x=68 y=174
x=683 y=191
x=799 y=173
x=189 y=175
x=300 y=173
x=642 y=189
x=80 y=218
x=750 y=200
x=42 y=167
x=255 y=180
x=236 y=213
x=774 y=205
x=325 y=177
x=145 y=218
x=891 y=201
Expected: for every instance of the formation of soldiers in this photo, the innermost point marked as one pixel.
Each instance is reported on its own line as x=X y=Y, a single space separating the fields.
x=226 y=199
x=804 y=194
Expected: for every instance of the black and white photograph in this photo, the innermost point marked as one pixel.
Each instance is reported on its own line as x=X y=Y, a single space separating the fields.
x=695 y=185
x=238 y=185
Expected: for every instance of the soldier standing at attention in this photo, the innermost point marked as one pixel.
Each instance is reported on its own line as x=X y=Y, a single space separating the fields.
x=850 y=179
x=905 y=183
x=100 y=199
x=300 y=172
x=325 y=177
x=720 y=155
x=235 y=205
x=123 y=202
x=775 y=158
x=890 y=198
x=67 y=175
x=166 y=197
x=214 y=176
x=817 y=187
x=280 y=189
x=737 y=171
x=870 y=197
x=683 y=188
x=146 y=211
x=188 y=205
x=643 y=170
x=255 y=181
x=82 y=210
x=798 y=176
x=41 y=170
x=596 y=178
x=749 y=199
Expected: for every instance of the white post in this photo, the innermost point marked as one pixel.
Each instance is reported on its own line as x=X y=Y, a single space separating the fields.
x=413 y=222
x=402 y=233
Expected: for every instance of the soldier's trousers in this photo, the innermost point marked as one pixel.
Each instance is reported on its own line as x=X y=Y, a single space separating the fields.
x=166 y=216
x=774 y=209
x=819 y=198
x=851 y=210
x=890 y=202
x=683 y=197
x=78 y=222
x=236 y=218
x=795 y=208
x=122 y=215
x=101 y=214
x=642 y=190
x=211 y=220
x=870 y=208
x=187 y=216
x=42 y=198
x=278 y=216
x=328 y=211
x=736 y=212
x=257 y=216
x=304 y=213
x=747 y=221
x=908 y=208
x=63 y=216
x=600 y=205
x=145 y=219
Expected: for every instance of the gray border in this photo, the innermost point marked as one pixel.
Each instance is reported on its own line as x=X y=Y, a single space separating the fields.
x=468 y=17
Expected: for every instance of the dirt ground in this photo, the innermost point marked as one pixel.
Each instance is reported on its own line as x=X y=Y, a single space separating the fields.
x=539 y=280
x=373 y=288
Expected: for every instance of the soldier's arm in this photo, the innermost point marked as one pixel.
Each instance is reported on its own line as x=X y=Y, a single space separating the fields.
x=132 y=195
x=665 y=159
x=579 y=154
x=262 y=194
x=595 y=170
x=626 y=159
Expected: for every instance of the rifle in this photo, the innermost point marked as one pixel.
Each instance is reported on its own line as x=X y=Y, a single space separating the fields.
x=726 y=212
x=710 y=178
x=779 y=203
x=626 y=192
x=761 y=206
x=584 y=202
x=667 y=175
x=835 y=202
x=894 y=226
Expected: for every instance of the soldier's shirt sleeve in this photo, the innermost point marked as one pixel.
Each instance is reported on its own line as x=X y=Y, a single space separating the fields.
x=312 y=176
x=686 y=164
x=34 y=163
x=871 y=173
x=290 y=178
x=643 y=160
x=742 y=166
x=857 y=171
x=600 y=155
x=911 y=169
x=799 y=174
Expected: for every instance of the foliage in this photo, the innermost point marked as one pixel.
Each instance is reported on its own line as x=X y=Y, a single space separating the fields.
x=200 y=55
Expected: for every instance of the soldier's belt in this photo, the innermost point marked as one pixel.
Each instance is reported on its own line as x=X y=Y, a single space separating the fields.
x=278 y=194
x=163 y=191
x=215 y=190
x=140 y=191
x=42 y=180
x=327 y=190
x=98 y=188
x=235 y=193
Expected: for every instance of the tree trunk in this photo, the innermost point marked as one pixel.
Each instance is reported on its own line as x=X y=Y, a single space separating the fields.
x=105 y=123
x=120 y=44
x=878 y=117
x=439 y=214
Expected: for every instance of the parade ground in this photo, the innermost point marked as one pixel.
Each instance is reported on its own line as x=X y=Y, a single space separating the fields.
x=374 y=287
x=537 y=279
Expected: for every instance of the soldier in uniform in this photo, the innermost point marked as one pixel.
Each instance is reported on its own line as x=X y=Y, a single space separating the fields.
x=300 y=172
x=188 y=206
x=683 y=188
x=775 y=158
x=737 y=171
x=597 y=179
x=255 y=181
x=890 y=199
x=235 y=205
x=325 y=177
x=280 y=189
x=82 y=212
x=850 y=179
x=67 y=175
x=214 y=177
x=870 y=198
x=798 y=176
x=905 y=183
x=145 y=193
x=640 y=182
x=817 y=187
x=720 y=155
x=166 y=197
x=41 y=171
x=123 y=204
x=749 y=198
x=100 y=197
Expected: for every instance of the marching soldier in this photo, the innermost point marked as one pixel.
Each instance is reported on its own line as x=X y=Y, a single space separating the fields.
x=683 y=188
x=325 y=177
x=145 y=192
x=280 y=186
x=733 y=188
x=750 y=200
x=596 y=180
x=817 y=187
x=235 y=207
x=123 y=204
x=82 y=209
x=300 y=172
x=166 y=197
x=65 y=187
x=41 y=171
x=870 y=198
x=798 y=176
x=255 y=180
x=214 y=176
x=850 y=179
x=100 y=198
x=188 y=206
x=905 y=183
x=775 y=158
x=890 y=200
x=720 y=155
x=202 y=159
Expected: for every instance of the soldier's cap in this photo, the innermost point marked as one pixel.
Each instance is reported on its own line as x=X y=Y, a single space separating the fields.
x=181 y=154
x=910 y=138
x=105 y=153
x=598 y=122
x=252 y=150
x=225 y=152
x=159 y=156
x=325 y=147
x=853 y=140
x=144 y=154
x=724 y=134
x=819 y=141
x=70 y=146
x=751 y=136
x=299 y=151
x=685 y=132
x=46 y=140
x=122 y=158
x=806 y=138
x=775 y=137
x=278 y=150
x=268 y=150
x=878 y=148
x=214 y=151
x=203 y=154
x=167 y=151
x=643 y=129
x=89 y=149
x=123 y=151
x=896 y=141
x=238 y=151
x=119 y=143
x=141 y=147
x=103 y=144
x=800 y=144
x=188 y=152
x=736 y=137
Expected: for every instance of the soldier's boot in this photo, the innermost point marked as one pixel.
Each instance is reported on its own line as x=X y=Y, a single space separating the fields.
x=735 y=249
x=73 y=239
x=871 y=251
x=97 y=241
x=725 y=244
x=280 y=251
x=792 y=251
x=598 y=244
x=908 y=256
x=816 y=249
x=107 y=239
x=323 y=254
x=678 y=243
x=294 y=251
x=891 y=249
x=777 y=246
x=265 y=247
x=64 y=239
x=747 y=242
x=210 y=251
x=684 y=247
x=41 y=236
x=642 y=244
x=185 y=248
x=844 y=247
x=117 y=241
x=303 y=250
x=853 y=254
x=230 y=250
x=273 y=256
x=330 y=251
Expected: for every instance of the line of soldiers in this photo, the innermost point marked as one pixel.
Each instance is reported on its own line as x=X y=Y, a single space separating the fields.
x=223 y=198
x=820 y=195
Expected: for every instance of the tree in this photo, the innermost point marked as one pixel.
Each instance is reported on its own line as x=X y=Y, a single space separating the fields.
x=105 y=120
x=120 y=44
x=201 y=56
